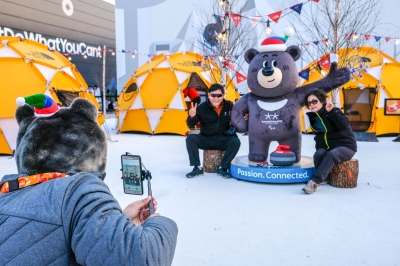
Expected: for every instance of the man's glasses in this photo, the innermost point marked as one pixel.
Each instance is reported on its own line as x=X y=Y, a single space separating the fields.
x=313 y=102
x=216 y=95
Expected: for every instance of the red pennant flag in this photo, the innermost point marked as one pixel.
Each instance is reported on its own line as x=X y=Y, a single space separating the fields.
x=213 y=57
x=325 y=62
x=325 y=41
x=387 y=39
x=316 y=1
x=307 y=44
x=236 y=18
x=348 y=36
x=275 y=16
x=240 y=77
x=367 y=37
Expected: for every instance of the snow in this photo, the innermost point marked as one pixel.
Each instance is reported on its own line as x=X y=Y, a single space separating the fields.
x=231 y=222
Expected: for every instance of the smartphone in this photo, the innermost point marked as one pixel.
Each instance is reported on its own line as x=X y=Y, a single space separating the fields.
x=132 y=174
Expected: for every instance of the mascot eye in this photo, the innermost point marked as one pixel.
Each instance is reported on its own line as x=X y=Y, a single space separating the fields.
x=274 y=63
x=265 y=64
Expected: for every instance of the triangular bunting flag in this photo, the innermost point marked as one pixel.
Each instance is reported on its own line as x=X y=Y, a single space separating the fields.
x=325 y=62
x=377 y=38
x=307 y=44
x=367 y=37
x=297 y=8
x=240 y=77
x=216 y=16
x=316 y=1
x=305 y=74
x=236 y=18
x=213 y=57
x=348 y=36
x=236 y=57
x=275 y=16
x=123 y=51
x=255 y=20
x=387 y=39
x=316 y=42
x=325 y=41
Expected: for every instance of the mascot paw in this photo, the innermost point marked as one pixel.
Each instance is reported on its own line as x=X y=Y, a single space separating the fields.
x=256 y=157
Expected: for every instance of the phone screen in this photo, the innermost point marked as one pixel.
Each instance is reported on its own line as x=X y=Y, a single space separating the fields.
x=132 y=174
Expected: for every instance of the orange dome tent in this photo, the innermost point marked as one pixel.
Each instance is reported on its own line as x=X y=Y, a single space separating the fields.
x=152 y=100
x=28 y=67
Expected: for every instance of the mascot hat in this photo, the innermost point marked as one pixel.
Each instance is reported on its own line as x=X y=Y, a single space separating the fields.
x=275 y=43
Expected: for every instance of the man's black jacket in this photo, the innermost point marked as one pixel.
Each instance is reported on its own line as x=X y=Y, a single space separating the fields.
x=336 y=129
x=211 y=124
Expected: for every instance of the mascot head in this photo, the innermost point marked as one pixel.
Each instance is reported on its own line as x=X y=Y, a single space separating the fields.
x=53 y=139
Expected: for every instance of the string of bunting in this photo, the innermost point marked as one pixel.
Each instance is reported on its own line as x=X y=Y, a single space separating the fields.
x=273 y=16
x=368 y=36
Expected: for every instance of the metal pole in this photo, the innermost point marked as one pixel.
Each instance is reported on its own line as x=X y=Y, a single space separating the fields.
x=104 y=81
x=225 y=46
x=336 y=47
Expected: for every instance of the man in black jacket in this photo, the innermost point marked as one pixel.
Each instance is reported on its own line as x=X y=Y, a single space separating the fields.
x=214 y=118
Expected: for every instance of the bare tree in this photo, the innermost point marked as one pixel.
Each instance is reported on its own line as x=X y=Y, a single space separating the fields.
x=215 y=32
x=331 y=25
x=335 y=24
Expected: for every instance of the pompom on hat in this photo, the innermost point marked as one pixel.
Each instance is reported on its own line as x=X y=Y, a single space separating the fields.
x=43 y=105
x=275 y=43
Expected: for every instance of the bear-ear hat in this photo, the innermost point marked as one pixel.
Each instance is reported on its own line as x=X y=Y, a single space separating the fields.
x=43 y=105
x=275 y=43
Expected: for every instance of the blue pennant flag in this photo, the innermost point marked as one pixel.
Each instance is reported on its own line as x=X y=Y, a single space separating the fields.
x=217 y=16
x=150 y=55
x=297 y=8
x=305 y=74
x=316 y=42
x=236 y=57
x=205 y=57
x=377 y=38
x=123 y=51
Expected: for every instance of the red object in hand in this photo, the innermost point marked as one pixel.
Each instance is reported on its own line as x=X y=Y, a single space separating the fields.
x=283 y=149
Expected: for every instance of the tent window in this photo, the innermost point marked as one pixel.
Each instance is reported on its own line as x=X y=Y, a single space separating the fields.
x=66 y=98
x=358 y=105
x=131 y=88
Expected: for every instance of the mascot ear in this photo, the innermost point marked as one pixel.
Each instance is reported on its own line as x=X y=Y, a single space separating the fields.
x=250 y=54
x=294 y=51
x=85 y=108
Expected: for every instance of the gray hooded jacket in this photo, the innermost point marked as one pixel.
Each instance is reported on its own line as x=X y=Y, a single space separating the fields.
x=77 y=216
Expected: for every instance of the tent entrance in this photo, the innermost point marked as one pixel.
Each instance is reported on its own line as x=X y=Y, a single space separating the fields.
x=196 y=82
x=66 y=98
x=358 y=106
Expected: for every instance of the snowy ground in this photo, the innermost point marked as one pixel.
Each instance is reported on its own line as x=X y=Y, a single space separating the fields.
x=230 y=222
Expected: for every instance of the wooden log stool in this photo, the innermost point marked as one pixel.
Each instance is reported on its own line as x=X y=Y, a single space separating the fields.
x=344 y=175
x=212 y=160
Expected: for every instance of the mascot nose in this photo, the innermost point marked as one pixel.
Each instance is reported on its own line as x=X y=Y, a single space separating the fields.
x=268 y=71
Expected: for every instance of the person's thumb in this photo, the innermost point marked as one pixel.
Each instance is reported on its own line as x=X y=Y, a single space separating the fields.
x=144 y=202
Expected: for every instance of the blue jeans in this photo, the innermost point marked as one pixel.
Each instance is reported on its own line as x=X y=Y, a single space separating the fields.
x=324 y=160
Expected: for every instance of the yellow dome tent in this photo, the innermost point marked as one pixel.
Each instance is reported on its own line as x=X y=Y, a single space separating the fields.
x=152 y=100
x=28 y=67
x=362 y=99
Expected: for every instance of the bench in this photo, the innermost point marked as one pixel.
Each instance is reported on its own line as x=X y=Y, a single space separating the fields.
x=344 y=175
x=212 y=160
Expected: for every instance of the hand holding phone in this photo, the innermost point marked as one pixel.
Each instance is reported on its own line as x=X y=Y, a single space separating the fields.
x=139 y=211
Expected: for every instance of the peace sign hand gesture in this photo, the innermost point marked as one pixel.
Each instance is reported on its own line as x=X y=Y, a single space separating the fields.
x=192 y=111
x=329 y=105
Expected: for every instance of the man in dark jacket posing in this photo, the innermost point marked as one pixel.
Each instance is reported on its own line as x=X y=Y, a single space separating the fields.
x=58 y=211
x=334 y=138
x=214 y=118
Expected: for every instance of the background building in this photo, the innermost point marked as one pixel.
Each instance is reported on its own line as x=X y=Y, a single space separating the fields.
x=73 y=27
